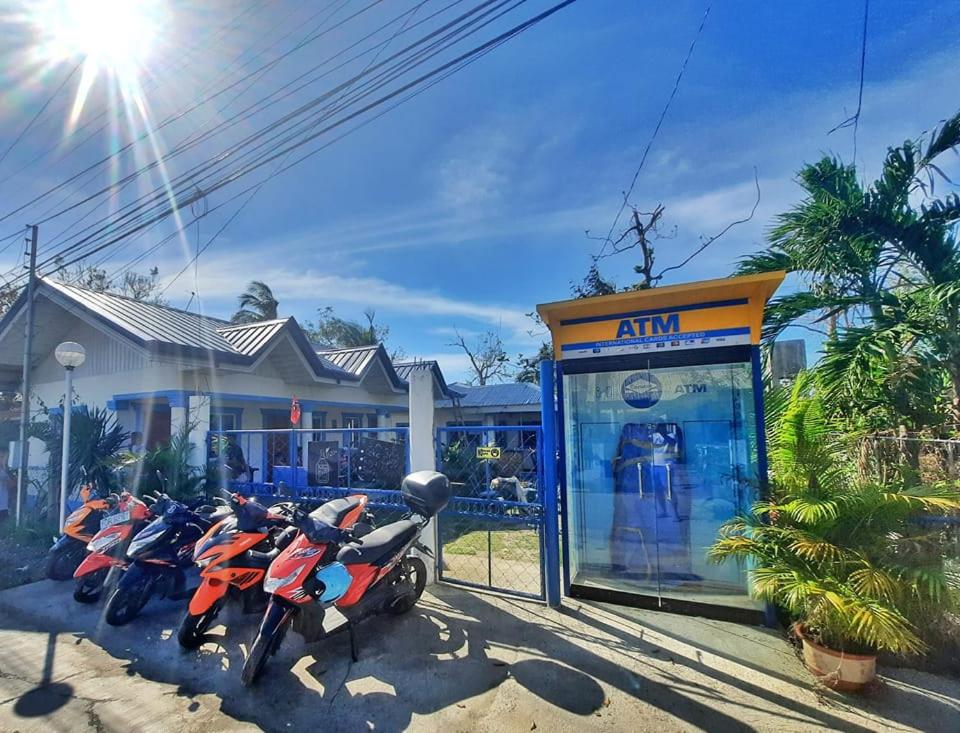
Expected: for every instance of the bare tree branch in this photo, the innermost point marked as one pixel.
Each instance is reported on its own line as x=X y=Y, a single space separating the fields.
x=707 y=242
x=488 y=359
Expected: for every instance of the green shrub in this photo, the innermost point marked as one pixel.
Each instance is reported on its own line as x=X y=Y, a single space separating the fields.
x=851 y=559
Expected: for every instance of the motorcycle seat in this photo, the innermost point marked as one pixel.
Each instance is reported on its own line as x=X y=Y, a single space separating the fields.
x=335 y=511
x=380 y=545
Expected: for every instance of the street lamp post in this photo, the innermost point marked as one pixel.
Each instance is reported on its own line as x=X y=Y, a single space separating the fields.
x=69 y=355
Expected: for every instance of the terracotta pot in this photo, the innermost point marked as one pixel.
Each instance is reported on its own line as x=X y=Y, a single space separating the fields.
x=838 y=670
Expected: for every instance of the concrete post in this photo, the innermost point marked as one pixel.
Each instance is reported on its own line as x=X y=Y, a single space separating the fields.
x=199 y=417
x=423 y=456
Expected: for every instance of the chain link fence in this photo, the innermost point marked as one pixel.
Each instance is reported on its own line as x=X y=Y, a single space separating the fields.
x=885 y=457
x=491 y=533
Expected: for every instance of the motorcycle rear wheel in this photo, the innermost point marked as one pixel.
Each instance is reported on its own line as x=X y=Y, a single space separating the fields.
x=412 y=571
x=128 y=599
x=194 y=627
x=268 y=640
x=90 y=586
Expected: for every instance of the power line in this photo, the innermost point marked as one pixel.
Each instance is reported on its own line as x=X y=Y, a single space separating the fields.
x=184 y=57
x=259 y=134
x=39 y=113
x=656 y=130
x=196 y=105
x=438 y=72
x=854 y=119
x=189 y=178
x=262 y=183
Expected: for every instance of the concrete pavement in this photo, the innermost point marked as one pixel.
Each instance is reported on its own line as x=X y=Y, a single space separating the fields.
x=460 y=661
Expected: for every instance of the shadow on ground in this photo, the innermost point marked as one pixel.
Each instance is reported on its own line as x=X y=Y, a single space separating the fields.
x=465 y=658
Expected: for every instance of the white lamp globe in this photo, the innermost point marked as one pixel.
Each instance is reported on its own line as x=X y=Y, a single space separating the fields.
x=70 y=354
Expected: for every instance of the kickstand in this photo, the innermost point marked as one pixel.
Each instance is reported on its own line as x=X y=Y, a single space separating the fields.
x=353 y=642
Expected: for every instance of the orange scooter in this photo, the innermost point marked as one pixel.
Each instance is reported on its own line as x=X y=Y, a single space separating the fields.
x=234 y=556
x=108 y=548
x=68 y=549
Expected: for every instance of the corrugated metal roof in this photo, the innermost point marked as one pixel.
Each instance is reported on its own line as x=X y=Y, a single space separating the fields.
x=249 y=338
x=150 y=322
x=179 y=331
x=513 y=394
x=354 y=360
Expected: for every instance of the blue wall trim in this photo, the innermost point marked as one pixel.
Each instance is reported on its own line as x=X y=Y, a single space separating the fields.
x=656 y=311
x=174 y=397
x=180 y=398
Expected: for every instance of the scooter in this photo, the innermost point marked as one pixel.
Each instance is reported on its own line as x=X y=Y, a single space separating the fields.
x=235 y=553
x=158 y=556
x=107 y=549
x=325 y=566
x=80 y=526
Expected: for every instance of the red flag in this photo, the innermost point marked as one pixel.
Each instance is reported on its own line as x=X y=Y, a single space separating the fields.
x=295 y=411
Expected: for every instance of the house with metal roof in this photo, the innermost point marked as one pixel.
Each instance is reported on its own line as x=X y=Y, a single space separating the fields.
x=159 y=367
x=510 y=404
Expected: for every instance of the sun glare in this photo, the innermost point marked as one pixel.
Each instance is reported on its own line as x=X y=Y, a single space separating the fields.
x=111 y=37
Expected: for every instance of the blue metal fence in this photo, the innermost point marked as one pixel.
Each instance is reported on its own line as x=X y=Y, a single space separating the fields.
x=323 y=463
x=491 y=533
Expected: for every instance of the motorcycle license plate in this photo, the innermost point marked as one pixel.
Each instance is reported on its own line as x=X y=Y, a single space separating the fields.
x=113 y=519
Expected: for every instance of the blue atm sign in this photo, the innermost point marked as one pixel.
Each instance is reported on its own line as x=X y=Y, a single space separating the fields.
x=649 y=326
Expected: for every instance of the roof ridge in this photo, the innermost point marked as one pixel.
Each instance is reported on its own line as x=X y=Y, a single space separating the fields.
x=59 y=283
x=236 y=326
x=349 y=348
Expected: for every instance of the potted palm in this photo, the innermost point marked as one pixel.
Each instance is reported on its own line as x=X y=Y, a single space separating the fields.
x=850 y=561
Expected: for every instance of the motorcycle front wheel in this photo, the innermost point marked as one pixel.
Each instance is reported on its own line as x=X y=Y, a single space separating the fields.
x=90 y=586
x=63 y=561
x=131 y=595
x=193 y=627
x=271 y=632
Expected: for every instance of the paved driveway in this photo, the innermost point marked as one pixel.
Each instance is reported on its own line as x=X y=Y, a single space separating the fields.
x=459 y=662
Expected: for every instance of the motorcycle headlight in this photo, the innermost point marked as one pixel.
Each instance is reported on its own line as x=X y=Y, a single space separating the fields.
x=101 y=544
x=202 y=563
x=137 y=545
x=272 y=585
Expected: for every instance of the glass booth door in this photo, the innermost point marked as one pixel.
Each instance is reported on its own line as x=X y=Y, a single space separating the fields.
x=657 y=460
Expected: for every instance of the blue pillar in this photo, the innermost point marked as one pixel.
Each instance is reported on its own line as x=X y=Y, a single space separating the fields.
x=551 y=515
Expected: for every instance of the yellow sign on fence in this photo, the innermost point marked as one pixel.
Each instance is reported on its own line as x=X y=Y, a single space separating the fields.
x=488 y=452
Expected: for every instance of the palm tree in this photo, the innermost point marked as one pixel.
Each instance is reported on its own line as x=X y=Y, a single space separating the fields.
x=880 y=264
x=845 y=556
x=256 y=304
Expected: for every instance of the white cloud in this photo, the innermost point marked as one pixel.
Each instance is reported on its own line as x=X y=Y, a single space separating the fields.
x=222 y=279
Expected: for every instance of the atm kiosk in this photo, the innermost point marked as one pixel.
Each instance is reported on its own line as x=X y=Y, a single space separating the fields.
x=660 y=412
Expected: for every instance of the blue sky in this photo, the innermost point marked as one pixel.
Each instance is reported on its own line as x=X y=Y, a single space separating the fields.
x=465 y=207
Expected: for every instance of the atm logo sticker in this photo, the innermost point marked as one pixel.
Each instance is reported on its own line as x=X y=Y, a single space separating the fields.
x=649 y=326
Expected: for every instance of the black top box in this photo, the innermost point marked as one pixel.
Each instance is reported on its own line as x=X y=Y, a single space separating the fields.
x=426 y=492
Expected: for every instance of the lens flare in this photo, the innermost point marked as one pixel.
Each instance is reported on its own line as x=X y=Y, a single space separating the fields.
x=110 y=37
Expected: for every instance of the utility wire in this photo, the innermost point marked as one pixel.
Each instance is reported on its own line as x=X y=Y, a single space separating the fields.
x=249 y=111
x=190 y=179
x=656 y=130
x=196 y=105
x=173 y=70
x=40 y=112
x=439 y=71
x=196 y=258
x=189 y=175
x=854 y=119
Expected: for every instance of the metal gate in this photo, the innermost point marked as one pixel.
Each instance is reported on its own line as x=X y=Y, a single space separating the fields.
x=492 y=531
